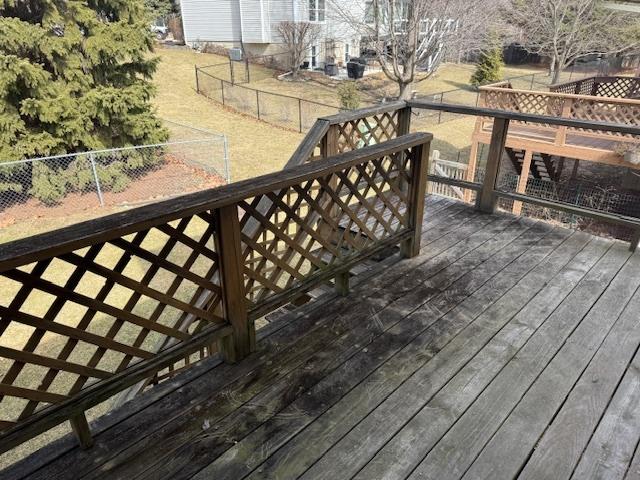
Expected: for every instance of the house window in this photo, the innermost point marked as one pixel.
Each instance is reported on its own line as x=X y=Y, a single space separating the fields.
x=316 y=10
x=347 y=52
x=368 y=13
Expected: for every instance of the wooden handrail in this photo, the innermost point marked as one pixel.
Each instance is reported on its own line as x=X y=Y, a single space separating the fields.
x=67 y=239
x=594 y=98
x=525 y=117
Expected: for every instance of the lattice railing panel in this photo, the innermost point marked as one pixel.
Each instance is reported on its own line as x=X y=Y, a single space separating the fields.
x=524 y=102
x=80 y=317
x=610 y=112
x=570 y=106
x=322 y=222
x=361 y=132
x=620 y=87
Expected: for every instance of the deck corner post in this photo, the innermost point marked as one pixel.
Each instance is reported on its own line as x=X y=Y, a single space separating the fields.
x=329 y=143
x=416 y=195
x=404 y=121
x=487 y=199
x=342 y=283
x=242 y=342
x=81 y=430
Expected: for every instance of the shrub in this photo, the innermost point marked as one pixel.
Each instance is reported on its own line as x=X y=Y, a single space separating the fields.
x=349 y=95
x=489 y=67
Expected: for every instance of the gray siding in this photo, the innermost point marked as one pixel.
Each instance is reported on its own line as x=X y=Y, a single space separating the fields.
x=211 y=20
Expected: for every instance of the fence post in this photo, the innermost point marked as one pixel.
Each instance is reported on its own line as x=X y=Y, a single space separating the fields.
x=231 y=72
x=417 y=190
x=487 y=199
x=197 y=80
x=533 y=76
x=242 y=342
x=258 y=102
x=222 y=89
x=300 y=113
x=227 y=168
x=440 y=112
x=97 y=180
x=247 y=68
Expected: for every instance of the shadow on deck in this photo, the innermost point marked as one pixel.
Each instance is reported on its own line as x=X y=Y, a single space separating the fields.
x=507 y=348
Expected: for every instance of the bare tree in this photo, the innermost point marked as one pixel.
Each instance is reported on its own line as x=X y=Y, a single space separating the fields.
x=298 y=37
x=410 y=38
x=566 y=30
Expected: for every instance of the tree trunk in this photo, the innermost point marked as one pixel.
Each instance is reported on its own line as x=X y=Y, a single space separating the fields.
x=405 y=91
x=556 y=74
x=555 y=70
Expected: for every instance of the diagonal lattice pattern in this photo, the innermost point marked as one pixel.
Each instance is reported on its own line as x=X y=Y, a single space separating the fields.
x=609 y=110
x=69 y=321
x=322 y=222
x=361 y=132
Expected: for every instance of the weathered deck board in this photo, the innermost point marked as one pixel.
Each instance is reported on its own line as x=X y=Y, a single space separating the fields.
x=561 y=447
x=527 y=422
x=506 y=349
x=363 y=438
x=460 y=445
x=421 y=323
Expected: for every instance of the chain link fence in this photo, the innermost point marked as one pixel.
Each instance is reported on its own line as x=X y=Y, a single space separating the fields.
x=284 y=111
x=59 y=189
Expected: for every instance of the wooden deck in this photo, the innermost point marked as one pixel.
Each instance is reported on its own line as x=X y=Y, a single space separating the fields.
x=506 y=349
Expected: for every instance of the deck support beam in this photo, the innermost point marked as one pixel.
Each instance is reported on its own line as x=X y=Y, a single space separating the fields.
x=522 y=182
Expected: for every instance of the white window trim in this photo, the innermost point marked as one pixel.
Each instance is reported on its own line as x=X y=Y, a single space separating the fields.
x=317 y=10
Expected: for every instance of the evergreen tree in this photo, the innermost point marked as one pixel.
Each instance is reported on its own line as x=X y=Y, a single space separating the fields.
x=159 y=8
x=489 y=66
x=75 y=75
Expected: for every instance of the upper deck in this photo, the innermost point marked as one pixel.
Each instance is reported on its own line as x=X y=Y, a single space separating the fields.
x=506 y=349
x=400 y=337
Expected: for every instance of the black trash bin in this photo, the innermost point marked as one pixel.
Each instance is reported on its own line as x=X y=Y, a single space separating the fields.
x=331 y=69
x=355 y=70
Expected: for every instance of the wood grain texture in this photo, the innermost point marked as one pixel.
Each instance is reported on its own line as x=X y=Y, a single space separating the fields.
x=455 y=452
x=503 y=456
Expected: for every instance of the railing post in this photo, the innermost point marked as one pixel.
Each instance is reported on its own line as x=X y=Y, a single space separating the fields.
x=342 y=283
x=404 y=121
x=487 y=199
x=522 y=181
x=81 y=430
x=329 y=144
x=417 y=190
x=635 y=240
x=329 y=148
x=561 y=134
x=229 y=249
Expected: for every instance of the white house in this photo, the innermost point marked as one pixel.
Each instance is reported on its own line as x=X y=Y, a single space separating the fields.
x=253 y=24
